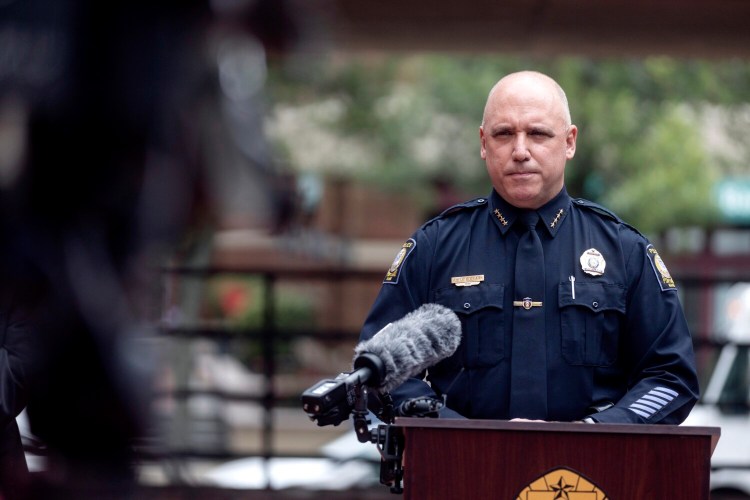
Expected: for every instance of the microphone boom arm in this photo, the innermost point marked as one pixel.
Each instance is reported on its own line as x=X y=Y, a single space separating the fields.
x=330 y=402
x=383 y=362
x=388 y=439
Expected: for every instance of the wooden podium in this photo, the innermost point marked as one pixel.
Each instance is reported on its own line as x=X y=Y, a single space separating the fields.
x=490 y=459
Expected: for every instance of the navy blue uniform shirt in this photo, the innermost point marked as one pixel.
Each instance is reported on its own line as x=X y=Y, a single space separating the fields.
x=616 y=340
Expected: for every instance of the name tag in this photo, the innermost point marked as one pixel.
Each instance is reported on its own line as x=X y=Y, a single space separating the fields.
x=467 y=280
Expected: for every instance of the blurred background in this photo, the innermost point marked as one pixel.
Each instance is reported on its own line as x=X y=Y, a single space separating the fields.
x=200 y=200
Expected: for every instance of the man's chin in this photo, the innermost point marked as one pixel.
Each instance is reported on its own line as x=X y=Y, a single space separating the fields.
x=529 y=202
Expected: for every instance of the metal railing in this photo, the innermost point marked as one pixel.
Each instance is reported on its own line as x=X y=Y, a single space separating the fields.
x=269 y=335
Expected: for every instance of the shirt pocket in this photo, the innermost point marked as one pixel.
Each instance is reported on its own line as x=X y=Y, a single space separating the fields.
x=480 y=309
x=590 y=322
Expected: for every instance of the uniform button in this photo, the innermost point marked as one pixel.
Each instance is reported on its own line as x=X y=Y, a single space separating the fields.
x=595 y=304
x=466 y=305
x=481 y=200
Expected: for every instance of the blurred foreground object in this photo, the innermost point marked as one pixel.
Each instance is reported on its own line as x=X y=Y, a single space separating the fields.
x=101 y=176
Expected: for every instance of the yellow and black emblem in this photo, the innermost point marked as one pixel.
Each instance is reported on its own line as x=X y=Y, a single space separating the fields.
x=395 y=270
x=562 y=483
x=666 y=282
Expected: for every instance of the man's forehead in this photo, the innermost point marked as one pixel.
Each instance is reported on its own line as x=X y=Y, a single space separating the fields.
x=527 y=96
x=526 y=106
x=541 y=114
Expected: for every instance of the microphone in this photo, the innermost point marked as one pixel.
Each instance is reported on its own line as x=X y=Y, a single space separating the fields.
x=412 y=344
x=397 y=352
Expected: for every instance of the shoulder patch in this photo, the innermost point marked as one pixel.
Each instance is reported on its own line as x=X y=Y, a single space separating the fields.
x=665 y=280
x=478 y=202
x=395 y=270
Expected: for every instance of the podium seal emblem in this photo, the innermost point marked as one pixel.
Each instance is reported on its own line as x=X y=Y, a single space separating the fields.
x=562 y=483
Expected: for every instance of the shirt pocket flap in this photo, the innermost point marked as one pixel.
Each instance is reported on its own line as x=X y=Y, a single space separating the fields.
x=469 y=299
x=480 y=309
x=594 y=296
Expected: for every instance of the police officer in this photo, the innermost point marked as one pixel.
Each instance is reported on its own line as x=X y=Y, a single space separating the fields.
x=602 y=339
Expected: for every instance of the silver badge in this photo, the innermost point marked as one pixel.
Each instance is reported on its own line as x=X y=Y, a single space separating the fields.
x=592 y=262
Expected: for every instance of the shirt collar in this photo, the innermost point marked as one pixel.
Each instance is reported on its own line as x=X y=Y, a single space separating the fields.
x=553 y=213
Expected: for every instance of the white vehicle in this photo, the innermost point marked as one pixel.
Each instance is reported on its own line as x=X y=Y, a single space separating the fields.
x=726 y=401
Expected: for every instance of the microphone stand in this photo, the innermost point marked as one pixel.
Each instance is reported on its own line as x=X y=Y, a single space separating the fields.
x=388 y=440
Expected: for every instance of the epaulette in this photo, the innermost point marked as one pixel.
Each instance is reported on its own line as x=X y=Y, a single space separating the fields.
x=590 y=205
x=596 y=208
x=476 y=202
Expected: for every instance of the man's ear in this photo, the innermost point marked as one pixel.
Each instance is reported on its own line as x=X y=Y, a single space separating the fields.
x=570 y=141
x=482 y=147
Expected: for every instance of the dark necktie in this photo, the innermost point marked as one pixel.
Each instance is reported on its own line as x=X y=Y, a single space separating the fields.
x=528 y=394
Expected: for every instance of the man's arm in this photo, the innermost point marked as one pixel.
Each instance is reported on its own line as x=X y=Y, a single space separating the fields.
x=657 y=347
x=404 y=289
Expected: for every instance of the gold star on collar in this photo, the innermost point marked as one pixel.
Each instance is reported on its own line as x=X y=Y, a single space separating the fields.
x=500 y=217
x=557 y=218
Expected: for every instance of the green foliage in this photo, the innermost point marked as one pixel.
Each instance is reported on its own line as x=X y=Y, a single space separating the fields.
x=408 y=119
x=667 y=178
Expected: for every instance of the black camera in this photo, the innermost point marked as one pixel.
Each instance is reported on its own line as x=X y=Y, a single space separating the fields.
x=331 y=401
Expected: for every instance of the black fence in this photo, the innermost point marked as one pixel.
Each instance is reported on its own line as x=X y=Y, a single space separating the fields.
x=696 y=290
x=269 y=336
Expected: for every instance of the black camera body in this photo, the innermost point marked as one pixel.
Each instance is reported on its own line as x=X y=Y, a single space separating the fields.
x=331 y=401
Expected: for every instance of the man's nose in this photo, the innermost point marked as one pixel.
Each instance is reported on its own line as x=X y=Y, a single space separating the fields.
x=520 y=151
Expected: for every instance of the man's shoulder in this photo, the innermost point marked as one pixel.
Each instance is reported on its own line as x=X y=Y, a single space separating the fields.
x=596 y=209
x=453 y=221
x=604 y=213
x=464 y=207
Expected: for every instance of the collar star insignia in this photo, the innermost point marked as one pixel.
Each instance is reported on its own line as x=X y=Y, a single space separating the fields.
x=500 y=217
x=557 y=218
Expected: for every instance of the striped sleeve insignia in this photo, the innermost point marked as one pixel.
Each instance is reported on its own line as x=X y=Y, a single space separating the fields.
x=650 y=403
x=395 y=270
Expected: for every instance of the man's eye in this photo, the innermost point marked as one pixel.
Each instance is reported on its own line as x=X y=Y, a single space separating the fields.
x=540 y=133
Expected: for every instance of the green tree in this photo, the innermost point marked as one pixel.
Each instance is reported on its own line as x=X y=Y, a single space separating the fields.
x=401 y=120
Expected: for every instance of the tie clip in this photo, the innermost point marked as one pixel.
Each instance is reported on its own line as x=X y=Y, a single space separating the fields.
x=526 y=303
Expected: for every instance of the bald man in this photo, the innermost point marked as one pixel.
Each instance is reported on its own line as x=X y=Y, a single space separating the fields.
x=567 y=313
